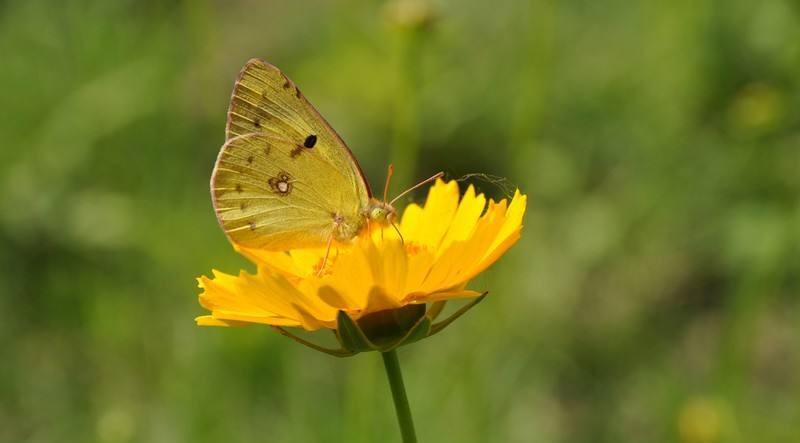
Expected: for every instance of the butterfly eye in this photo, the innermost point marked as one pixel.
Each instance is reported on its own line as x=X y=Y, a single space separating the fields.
x=311 y=140
x=377 y=213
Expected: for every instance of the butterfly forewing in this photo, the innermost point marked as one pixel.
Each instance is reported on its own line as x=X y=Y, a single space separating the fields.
x=272 y=193
x=265 y=100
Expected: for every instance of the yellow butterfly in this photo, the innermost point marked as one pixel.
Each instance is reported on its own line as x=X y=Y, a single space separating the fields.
x=284 y=178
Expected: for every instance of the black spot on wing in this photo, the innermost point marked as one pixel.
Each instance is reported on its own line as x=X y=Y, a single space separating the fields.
x=310 y=141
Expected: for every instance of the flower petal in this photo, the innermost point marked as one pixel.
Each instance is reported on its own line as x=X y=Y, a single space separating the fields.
x=445 y=295
x=508 y=234
x=439 y=210
x=209 y=320
x=465 y=219
x=268 y=298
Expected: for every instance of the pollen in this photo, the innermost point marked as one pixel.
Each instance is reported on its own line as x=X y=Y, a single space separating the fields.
x=413 y=248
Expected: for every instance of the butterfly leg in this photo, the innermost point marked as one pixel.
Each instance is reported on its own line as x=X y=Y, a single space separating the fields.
x=327 y=254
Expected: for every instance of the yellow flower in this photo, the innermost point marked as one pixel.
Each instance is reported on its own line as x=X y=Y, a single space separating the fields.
x=377 y=287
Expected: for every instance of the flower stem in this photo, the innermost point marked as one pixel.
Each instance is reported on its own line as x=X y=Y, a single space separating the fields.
x=399 y=395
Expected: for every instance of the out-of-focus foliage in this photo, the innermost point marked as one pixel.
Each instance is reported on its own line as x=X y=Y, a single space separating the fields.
x=653 y=296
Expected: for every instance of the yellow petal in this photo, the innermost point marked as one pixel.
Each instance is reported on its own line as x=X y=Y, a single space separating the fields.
x=513 y=219
x=249 y=317
x=439 y=210
x=389 y=266
x=209 y=320
x=379 y=300
x=412 y=223
x=278 y=260
x=506 y=237
x=333 y=298
x=452 y=266
x=351 y=276
x=466 y=217
x=444 y=295
x=266 y=298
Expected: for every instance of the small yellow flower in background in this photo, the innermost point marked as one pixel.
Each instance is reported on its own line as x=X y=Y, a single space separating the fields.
x=374 y=293
x=410 y=14
x=701 y=420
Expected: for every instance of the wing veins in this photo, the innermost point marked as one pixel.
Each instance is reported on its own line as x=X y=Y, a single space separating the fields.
x=285 y=107
x=282 y=111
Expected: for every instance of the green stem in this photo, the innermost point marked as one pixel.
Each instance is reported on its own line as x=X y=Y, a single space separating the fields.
x=399 y=395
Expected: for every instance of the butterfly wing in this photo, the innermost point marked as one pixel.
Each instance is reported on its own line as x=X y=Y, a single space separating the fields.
x=265 y=100
x=272 y=193
x=284 y=178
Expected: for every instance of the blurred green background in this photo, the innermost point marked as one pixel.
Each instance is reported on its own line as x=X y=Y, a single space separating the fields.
x=653 y=296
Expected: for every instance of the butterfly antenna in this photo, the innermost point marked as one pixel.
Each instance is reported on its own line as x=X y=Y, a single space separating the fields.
x=389 y=174
x=402 y=241
x=423 y=182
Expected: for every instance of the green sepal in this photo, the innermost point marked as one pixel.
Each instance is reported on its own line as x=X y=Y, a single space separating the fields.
x=435 y=309
x=387 y=330
x=419 y=331
x=351 y=336
x=439 y=327
x=334 y=352
x=383 y=330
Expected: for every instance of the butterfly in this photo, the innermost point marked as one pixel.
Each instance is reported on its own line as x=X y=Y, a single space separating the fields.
x=284 y=179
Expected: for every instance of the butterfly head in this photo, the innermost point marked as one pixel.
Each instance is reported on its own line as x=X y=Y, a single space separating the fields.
x=381 y=212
